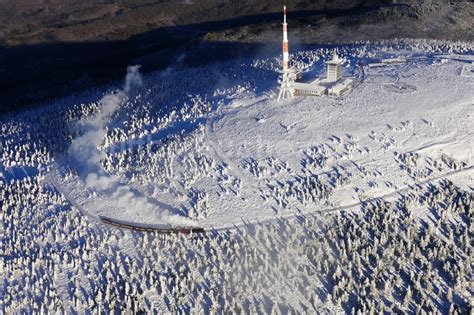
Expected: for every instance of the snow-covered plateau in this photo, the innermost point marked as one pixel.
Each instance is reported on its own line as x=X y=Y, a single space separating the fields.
x=362 y=203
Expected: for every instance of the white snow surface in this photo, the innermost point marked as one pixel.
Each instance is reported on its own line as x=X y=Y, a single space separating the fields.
x=256 y=145
x=224 y=153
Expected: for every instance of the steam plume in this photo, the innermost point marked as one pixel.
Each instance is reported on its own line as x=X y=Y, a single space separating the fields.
x=83 y=151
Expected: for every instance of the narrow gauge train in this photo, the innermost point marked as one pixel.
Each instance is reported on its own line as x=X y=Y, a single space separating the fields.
x=151 y=228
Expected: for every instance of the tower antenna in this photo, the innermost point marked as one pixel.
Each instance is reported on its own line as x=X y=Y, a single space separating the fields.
x=286 y=57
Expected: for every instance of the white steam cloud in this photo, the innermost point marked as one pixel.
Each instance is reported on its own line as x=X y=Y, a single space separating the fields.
x=86 y=156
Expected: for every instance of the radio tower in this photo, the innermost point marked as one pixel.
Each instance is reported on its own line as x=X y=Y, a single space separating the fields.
x=286 y=56
x=288 y=76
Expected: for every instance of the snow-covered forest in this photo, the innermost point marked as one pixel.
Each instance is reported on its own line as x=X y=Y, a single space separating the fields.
x=358 y=204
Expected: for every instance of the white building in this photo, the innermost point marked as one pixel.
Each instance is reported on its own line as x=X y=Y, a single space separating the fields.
x=334 y=69
x=341 y=87
x=309 y=89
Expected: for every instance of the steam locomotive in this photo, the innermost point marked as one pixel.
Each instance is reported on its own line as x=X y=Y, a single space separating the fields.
x=160 y=229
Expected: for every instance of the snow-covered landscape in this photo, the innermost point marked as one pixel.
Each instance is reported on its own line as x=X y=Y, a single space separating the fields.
x=362 y=203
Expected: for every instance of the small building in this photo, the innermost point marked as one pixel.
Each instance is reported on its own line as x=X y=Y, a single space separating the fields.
x=341 y=87
x=308 y=89
x=334 y=69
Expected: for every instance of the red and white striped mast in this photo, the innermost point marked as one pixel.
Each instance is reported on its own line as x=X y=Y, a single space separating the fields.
x=288 y=77
x=286 y=56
